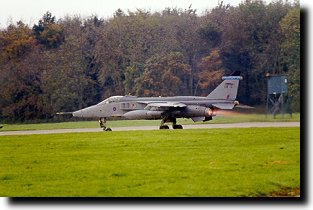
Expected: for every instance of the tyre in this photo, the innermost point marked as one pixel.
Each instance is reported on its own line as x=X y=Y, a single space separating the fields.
x=164 y=127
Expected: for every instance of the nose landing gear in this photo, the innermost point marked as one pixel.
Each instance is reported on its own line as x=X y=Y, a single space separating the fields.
x=102 y=123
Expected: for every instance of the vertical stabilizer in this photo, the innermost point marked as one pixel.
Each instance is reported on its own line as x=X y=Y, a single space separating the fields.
x=228 y=88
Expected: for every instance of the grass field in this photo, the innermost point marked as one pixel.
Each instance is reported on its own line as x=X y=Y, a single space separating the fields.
x=231 y=117
x=222 y=162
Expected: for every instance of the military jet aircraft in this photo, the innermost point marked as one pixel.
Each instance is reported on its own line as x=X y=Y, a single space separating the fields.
x=167 y=109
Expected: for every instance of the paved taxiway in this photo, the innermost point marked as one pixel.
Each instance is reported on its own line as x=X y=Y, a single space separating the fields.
x=193 y=126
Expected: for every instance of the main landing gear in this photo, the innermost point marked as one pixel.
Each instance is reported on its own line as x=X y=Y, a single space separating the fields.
x=169 y=119
x=103 y=123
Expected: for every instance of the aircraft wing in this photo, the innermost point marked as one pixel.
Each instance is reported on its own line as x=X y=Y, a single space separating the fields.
x=224 y=105
x=164 y=105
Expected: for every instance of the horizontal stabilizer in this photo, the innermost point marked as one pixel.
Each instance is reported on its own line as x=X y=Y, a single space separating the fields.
x=224 y=105
x=242 y=106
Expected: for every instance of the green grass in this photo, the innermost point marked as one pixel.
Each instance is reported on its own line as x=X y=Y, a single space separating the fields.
x=231 y=118
x=221 y=162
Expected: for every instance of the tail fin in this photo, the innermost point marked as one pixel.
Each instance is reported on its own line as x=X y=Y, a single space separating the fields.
x=228 y=88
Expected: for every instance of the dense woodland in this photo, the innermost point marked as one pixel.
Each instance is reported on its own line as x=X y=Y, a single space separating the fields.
x=72 y=62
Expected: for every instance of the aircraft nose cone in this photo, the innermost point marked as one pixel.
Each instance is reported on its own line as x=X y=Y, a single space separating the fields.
x=91 y=111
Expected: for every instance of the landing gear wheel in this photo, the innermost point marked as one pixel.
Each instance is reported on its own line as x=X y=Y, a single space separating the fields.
x=107 y=129
x=177 y=127
x=164 y=127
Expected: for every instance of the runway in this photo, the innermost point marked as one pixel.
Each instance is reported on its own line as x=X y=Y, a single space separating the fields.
x=133 y=128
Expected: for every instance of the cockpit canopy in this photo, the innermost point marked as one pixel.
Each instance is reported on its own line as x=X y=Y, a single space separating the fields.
x=111 y=99
x=116 y=99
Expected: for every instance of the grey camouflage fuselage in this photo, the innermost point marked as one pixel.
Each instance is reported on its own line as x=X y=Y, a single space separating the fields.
x=166 y=108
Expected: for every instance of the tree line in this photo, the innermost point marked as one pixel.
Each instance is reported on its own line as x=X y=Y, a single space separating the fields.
x=72 y=62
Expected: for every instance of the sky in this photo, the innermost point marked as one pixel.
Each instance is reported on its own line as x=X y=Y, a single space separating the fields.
x=30 y=11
